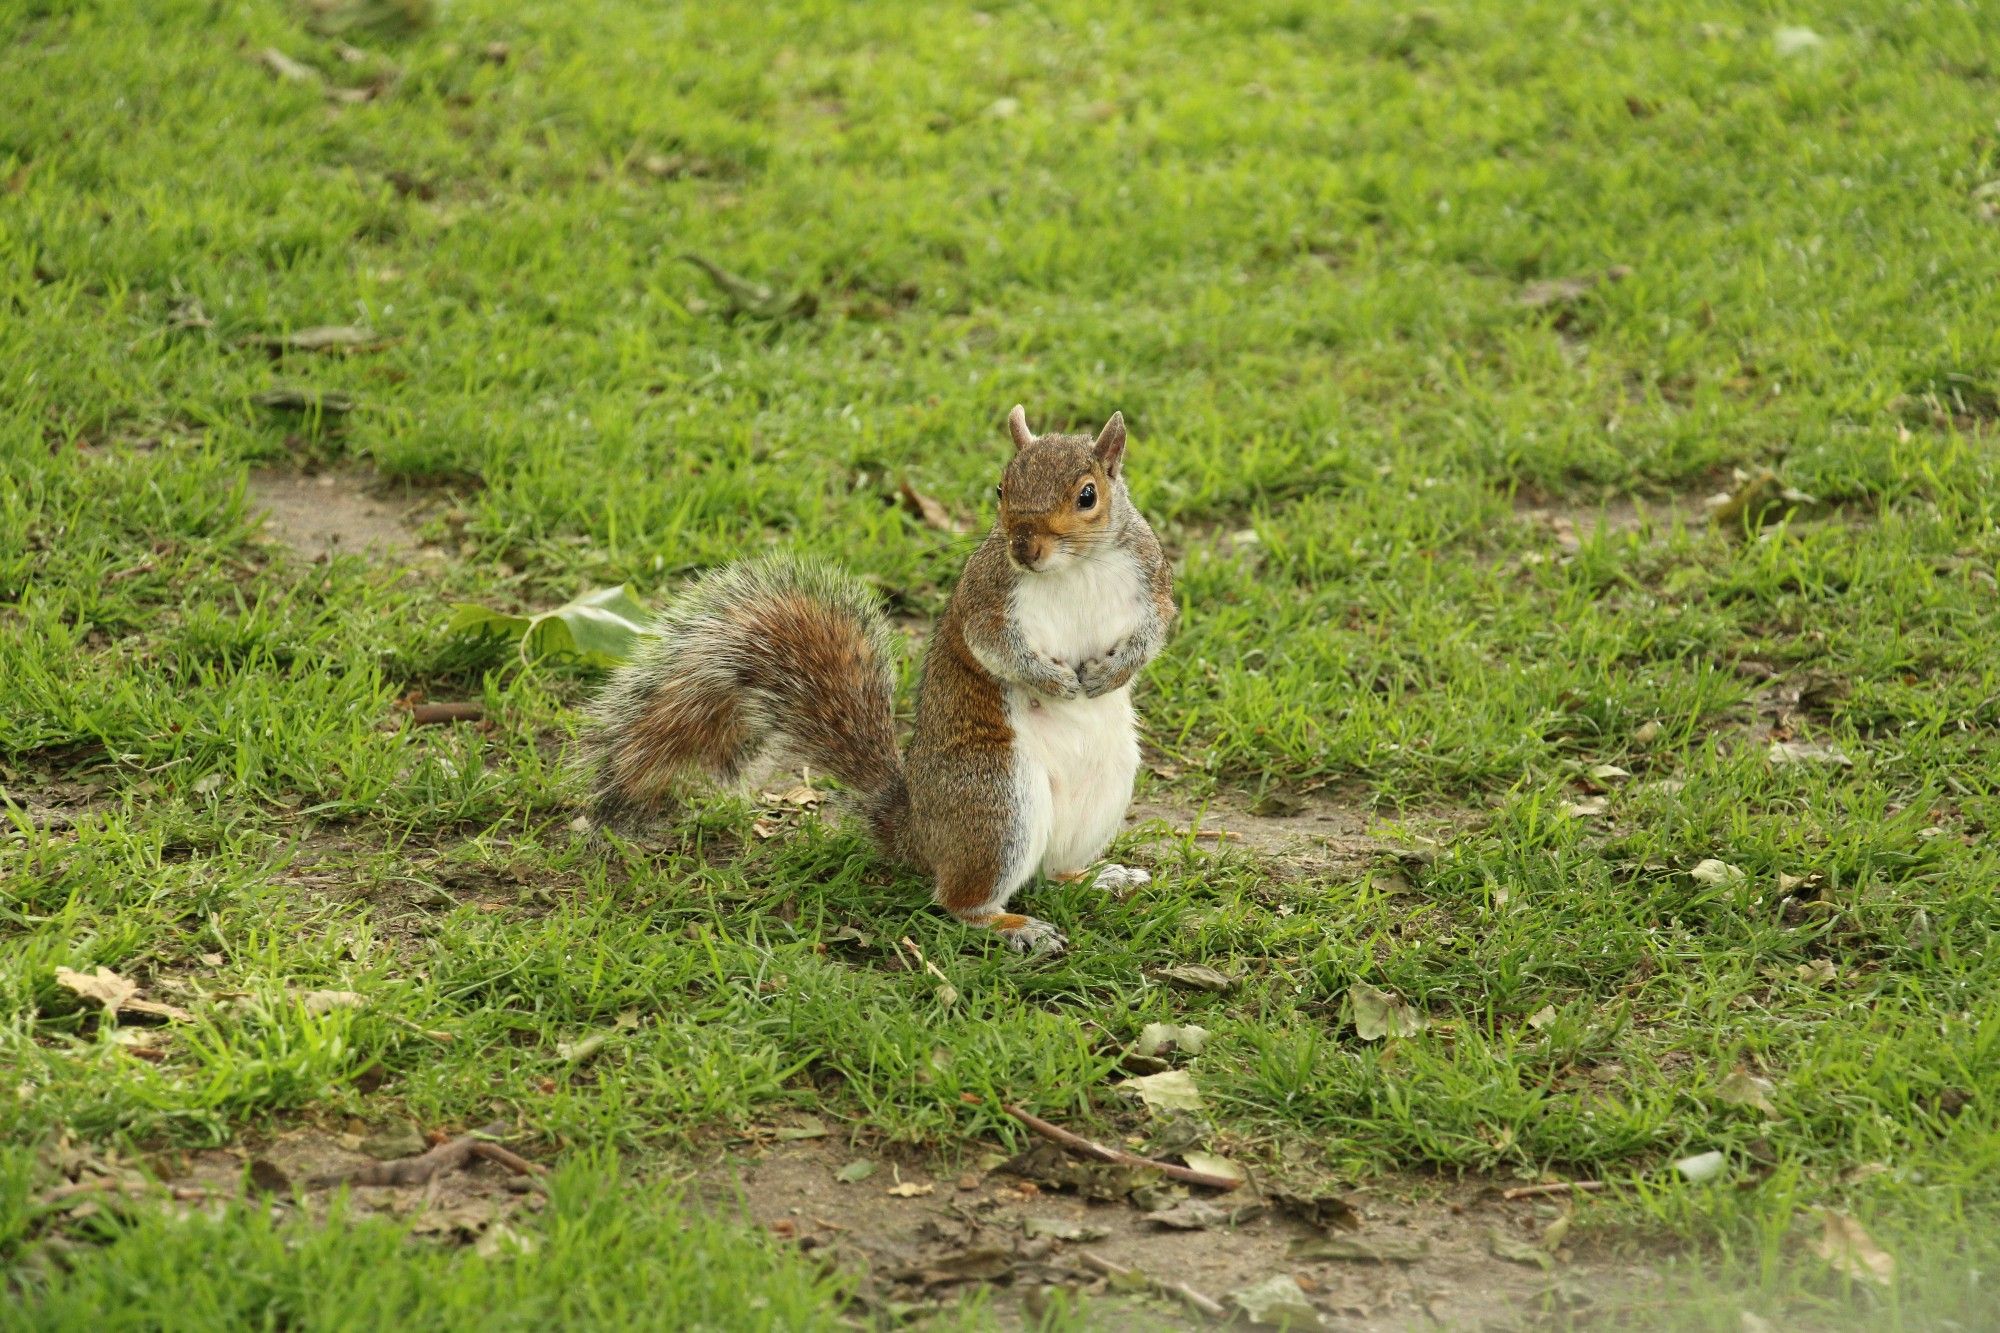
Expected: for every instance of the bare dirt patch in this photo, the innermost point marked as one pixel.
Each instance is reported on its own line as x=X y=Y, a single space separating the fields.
x=1295 y=837
x=346 y=512
x=925 y=1234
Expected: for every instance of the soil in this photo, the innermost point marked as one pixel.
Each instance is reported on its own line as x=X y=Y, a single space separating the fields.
x=344 y=512
x=1301 y=837
x=967 y=1228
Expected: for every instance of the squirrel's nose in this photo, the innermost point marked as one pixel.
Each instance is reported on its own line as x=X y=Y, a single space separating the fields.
x=1029 y=549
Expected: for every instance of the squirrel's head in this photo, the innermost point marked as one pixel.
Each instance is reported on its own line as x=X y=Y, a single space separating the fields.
x=1057 y=494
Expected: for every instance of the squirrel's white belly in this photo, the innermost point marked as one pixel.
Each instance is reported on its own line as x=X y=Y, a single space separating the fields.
x=1081 y=610
x=1075 y=761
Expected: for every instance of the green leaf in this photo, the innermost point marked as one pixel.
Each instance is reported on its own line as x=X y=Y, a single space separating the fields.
x=600 y=628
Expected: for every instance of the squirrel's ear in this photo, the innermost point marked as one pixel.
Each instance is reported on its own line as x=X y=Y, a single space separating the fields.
x=1017 y=426
x=1110 y=445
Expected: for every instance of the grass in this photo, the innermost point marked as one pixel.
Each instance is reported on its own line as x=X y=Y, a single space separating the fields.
x=1290 y=241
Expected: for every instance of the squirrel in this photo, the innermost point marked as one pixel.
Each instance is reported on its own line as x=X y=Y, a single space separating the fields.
x=1024 y=749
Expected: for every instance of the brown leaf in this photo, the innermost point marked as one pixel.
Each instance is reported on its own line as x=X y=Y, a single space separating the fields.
x=322 y=338
x=287 y=68
x=117 y=994
x=103 y=985
x=929 y=509
x=319 y=1002
x=1849 y=1248
x=1379 y=1014
x=267 y=1178
x=1198 y=977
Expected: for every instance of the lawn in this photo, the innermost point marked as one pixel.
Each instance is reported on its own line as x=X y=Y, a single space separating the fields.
x=1664 y=824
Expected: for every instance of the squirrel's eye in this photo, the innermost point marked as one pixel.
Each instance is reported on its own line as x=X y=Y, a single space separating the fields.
x=1087 y=497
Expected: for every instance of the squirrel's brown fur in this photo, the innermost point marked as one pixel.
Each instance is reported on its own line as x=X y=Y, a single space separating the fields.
x=1024 y=747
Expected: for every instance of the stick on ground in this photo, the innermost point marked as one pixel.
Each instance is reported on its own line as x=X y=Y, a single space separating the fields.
x=1083 y=1147
x=1180 y=1291
x=421 y=1169
x=1556 y=1187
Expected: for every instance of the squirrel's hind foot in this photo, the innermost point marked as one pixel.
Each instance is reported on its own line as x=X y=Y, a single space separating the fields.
x=1024 y=934
x=1115 y=878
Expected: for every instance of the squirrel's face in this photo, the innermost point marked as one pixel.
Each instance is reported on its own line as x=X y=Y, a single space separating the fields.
x=1056 y=495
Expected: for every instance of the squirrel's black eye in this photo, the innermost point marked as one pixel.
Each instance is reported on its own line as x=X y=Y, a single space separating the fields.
x=1087 y=497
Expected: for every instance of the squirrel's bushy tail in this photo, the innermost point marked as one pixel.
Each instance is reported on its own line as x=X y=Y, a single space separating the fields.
x=775 y=657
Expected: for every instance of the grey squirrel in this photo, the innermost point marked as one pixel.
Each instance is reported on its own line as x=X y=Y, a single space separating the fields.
x=1024 y=749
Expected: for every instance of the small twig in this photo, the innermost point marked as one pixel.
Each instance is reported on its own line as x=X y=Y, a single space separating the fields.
x=421 y=1030
x=1076 y=1143
x=1216 y=834
x=1180 y=1291
x=513 y=1161
x=418 y=1170
x=422 y=715
x=1554 y=1187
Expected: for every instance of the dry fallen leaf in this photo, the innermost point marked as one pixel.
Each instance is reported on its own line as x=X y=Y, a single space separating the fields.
x=1198 y=977
x=1702 y=1167
x=1715 y=873
x=1743 y=1088
x=103 y=985
x=322 y=338
x=1159 y=1038
x=326 y=1001
x=118 y=995
x=1587 y=807
x=1819 y=971
x=910 y=1189
x=1807 y=752
x=1378 y=1014
x=929 y=509
x=1542 y=1017
x=1172 y=1091
x=856 y=1171
x=1210 y=1164
x=1844 y=1244
x=1277 y=1302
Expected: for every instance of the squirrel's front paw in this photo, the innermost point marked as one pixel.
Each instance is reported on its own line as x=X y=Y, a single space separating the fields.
x=1034 y=936
x=1101 y=675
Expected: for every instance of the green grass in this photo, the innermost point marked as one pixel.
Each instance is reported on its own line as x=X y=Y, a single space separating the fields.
x=1288 y=241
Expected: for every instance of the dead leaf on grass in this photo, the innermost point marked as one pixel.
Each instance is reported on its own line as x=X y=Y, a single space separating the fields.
x=1516 y=1250
x=292 y=398
x=1361 y=1250
x=1160 y=1038
x=286 y=68
x=1380 y=1013
x=1209 y=1163
x=267 y=1178
x=1058 y=1228
x=502 y=1240
x=1715 y=872
x=808 y=1127
x=1192 y=1215
x=930 y=509
x=1173 y=1090
x=117 y=994
x=1329 y=1212
x=856 y=1171
x=1701 y=1168
x=1819 y=971
x=1566 y=291
x=1586 y=807
x=1783 y=753
x=321 y=338
x=1743 y=1088
x=1198 y=977
x=1542 y=1017
x=103 y=985
x=1848 y=1247
x=1276 y=1302
x=319 y=1002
